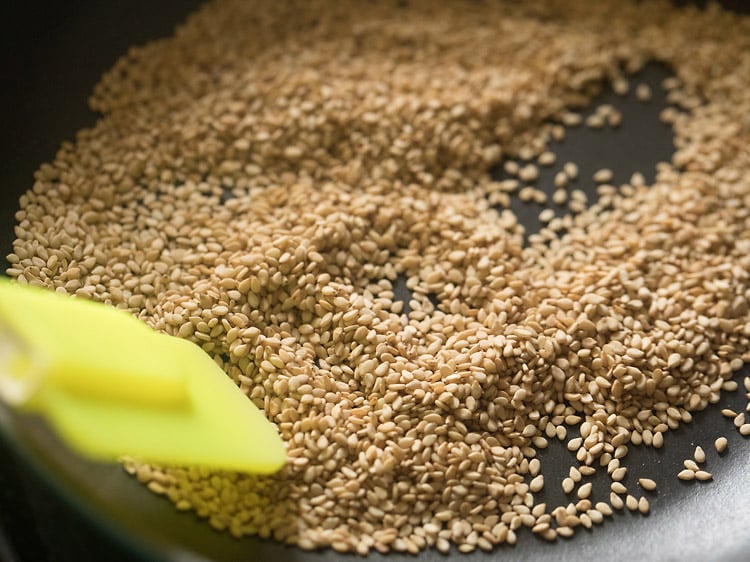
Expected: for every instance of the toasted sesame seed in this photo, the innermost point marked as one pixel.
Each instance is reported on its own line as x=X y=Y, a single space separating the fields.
x=511 y=167
x=699 y=455
x=546 y=158
x=574 y=474
x=619 y=473
x=616 y=501
x=703 y=475
x=571 y=119
x=604 y=509
x=686 y=474
x=643 y=92
x=658 y=440
x=537 y=483
x=720 y=444
x=587 y=470
x=595 y=121
x=567 y=485
x=643 y=505
x=620 y=86
x=571 y=170
x=546 y=215
x=603 y=176
x=631 y=502
x=559 y=197
x=647 y=484
x=528 y=173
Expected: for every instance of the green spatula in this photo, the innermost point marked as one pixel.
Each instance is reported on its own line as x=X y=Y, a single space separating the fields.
x=111 y=386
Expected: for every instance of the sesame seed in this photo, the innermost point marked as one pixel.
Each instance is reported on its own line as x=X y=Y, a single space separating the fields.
x=619 y=473
x=528 y=173
x=647 y=484
x=643 y=92
x=686 y=474
x=643 y=505
x=631 y=502
x=603 y=176
x=537 y=483
x=690 y=464
x=620 y=86
x=559 y=197
x=546 y=158
x=604 y=509
x=699 y=455
x=567 y=485
x=720 y=444
x=616 y=501
x=595 y=121
x=571 y=170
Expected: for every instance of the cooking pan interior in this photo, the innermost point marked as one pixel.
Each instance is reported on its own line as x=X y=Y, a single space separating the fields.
x=57 y=506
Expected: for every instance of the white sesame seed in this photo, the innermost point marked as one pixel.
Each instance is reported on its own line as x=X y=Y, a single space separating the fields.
x=686 y=474
x=703 y=475
x=647 y=484
x=699 y=455
x=603 y=176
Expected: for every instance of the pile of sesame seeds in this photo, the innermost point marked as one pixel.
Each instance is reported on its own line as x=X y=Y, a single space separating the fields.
x=259 y=182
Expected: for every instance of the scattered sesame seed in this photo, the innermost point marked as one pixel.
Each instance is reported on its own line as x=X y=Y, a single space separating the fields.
x=643 y=505
x=567 y=485
x=647 y=484
x=703 y=475
x=720 y=444
x=595 y=121
x=603 y=176
x=537 y=483
x=620 y=86
x=699 y=455
x=643 y=92
x=686 y=474
x=571 y=170
x=559 y=197
x=619 y=473
x=616 y=501
x=631 y=502
x=546 y=158
x=528 y=173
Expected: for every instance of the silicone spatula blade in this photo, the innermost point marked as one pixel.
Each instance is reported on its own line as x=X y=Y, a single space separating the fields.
x=111 y=386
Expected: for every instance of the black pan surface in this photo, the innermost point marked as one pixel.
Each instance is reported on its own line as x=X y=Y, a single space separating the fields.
x=56 y=506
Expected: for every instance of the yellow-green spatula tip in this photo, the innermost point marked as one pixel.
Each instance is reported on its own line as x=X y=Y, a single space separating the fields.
x=113 y=387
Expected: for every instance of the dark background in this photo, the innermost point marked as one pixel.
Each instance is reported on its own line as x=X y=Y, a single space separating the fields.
x=63 y=508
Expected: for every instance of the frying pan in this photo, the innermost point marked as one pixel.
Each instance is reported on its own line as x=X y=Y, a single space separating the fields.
x=55 y=505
